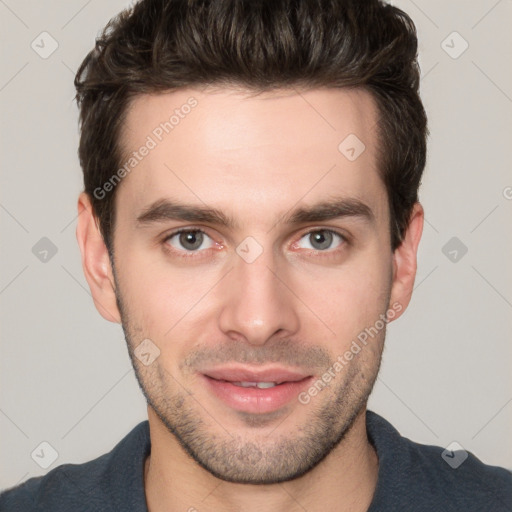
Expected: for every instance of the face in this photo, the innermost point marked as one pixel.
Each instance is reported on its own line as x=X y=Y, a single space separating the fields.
x=253 y=256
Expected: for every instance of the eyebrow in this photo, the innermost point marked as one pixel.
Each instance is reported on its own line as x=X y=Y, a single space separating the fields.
x=166 y=209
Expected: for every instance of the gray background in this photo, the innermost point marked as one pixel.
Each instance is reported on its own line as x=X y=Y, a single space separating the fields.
x=65 y=376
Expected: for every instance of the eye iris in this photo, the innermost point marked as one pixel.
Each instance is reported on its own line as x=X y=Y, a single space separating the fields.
x=191 y=240
x=321 y=239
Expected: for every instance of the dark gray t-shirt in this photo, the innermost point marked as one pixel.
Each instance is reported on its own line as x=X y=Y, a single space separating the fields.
x=412 y=478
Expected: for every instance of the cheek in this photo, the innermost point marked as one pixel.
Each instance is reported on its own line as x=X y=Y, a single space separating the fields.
x=352 y=297
x=161 y=298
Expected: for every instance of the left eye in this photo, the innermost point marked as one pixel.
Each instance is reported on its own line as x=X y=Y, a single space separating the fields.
x=320 y=240
x=191 y=241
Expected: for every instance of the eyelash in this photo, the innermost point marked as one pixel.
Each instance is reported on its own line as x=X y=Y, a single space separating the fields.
x=193 y=254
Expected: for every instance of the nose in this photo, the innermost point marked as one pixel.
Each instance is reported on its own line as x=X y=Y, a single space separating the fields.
x=258 y=303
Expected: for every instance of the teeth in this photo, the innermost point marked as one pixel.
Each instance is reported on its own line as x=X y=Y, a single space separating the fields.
x=261 y=385
x=245 y=384
x=265 y=385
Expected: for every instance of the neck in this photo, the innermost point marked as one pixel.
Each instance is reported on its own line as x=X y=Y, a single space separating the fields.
x=344 y=481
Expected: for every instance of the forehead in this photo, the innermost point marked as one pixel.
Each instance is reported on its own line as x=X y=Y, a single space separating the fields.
x=248 y=152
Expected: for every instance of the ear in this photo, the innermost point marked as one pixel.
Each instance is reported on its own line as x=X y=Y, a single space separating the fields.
x=405 y=263
x=96 y=261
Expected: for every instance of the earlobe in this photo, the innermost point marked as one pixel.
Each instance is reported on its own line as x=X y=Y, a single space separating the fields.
x=95 y=261
x=405 y=261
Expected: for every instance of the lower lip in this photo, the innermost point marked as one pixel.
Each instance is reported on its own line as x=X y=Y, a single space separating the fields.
x=256 y=400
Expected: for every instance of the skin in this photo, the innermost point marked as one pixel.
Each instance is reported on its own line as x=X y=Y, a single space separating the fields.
x=255 y=158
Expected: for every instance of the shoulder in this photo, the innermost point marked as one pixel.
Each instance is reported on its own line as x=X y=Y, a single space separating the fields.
x=67 y=487
x=113 y=481
x=426 y=477
x=459 y=478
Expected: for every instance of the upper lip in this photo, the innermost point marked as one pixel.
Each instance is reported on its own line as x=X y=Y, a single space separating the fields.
x=248 y=374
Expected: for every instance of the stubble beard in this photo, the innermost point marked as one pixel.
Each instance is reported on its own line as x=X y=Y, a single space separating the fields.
x=252 y=458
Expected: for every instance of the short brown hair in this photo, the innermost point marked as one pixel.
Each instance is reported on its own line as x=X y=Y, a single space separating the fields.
x=164 y=45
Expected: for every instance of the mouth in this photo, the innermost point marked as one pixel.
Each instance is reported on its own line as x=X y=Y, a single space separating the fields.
x=256 y=391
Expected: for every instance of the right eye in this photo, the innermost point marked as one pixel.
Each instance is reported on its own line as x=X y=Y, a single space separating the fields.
x=189 y=240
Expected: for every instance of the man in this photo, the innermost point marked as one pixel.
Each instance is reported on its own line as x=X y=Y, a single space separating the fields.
x=251 y=218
